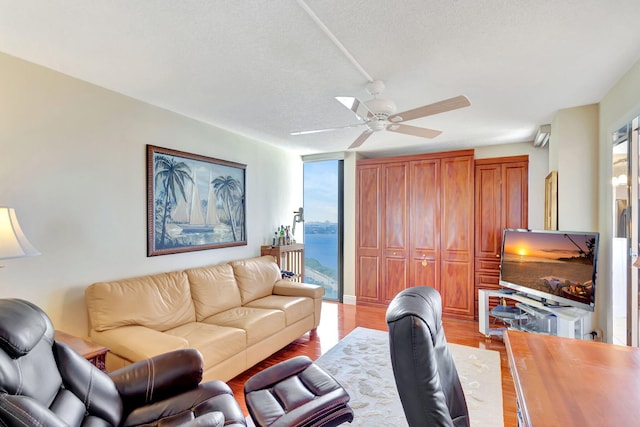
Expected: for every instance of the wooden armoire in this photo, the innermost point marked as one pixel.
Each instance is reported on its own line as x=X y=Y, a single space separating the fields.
x=501 y=201
x=415 y=226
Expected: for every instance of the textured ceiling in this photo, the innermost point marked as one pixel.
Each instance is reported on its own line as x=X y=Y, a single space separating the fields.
x=264 y=68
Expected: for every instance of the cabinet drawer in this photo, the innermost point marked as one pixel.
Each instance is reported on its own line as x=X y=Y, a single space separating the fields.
x=487 y=264
x=487 y=281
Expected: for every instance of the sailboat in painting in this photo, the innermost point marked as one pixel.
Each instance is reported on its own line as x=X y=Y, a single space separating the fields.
x=190 y=217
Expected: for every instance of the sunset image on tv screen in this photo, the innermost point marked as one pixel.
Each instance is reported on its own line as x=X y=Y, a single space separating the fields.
x=561 y=264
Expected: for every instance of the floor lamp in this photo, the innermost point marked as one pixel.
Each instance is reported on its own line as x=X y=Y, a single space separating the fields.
x=13 y=242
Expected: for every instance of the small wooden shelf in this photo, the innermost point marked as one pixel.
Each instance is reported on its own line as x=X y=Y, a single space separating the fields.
x=94 y=353
x=288 y=257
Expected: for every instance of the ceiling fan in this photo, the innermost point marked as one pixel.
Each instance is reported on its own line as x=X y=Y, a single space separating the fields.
x=380 y=114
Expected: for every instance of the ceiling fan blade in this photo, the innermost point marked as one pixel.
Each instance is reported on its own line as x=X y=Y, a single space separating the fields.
x=431 y=109
x=361 y=139
x=412 y=130
x=358 y=107
x=306 y=132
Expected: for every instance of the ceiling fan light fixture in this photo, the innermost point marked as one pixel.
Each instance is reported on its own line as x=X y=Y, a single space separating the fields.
x=376 y=125
x=381 y=107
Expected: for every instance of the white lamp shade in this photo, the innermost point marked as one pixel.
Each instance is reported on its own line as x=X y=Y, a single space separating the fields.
x=13 y=242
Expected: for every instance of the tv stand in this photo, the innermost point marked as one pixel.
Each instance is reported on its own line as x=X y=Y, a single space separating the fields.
x=568 y=322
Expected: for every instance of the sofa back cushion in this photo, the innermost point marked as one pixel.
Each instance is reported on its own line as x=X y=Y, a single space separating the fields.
x=256 y=277
x=213 y=289
x=160 y=302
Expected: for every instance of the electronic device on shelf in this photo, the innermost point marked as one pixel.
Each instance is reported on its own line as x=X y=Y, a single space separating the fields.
x=553 y=267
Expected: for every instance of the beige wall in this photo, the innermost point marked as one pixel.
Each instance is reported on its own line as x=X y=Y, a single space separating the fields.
x=72 y=163
x=573 y=152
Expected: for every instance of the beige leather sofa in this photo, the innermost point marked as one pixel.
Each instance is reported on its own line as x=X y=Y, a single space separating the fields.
x=236 y=314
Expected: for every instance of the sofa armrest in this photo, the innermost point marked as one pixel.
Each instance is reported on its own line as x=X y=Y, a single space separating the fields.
x=159 y=377
x=136 y=343
x=295 y=289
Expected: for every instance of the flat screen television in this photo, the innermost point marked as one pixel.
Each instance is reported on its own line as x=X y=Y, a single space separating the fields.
x=554 y=267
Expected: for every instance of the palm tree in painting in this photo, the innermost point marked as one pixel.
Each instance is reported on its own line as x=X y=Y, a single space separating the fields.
x=173 y=175
x=229 y=190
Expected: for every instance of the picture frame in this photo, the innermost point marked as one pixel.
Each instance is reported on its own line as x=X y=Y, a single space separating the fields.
x=551 y=201
x=194 y=202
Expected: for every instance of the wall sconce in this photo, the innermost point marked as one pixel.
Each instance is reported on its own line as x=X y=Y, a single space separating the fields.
x=13 y=242
x=542 y=136
x=298 y=217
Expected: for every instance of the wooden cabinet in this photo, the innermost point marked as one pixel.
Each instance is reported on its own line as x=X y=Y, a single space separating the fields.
x=501 y=201
x=289 y=258
x=94 y=353
x=415 y=227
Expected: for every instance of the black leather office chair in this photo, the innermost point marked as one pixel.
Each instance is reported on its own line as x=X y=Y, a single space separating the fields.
x=426 y=376
x=45 y=383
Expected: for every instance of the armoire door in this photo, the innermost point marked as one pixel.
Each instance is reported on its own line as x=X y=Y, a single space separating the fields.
x=395 y=229
x=368 y=244
x=425 y=220
x=456 y=235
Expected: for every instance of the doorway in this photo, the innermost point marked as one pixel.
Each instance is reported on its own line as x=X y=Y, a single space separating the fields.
x=323 y=226
x=626 y=233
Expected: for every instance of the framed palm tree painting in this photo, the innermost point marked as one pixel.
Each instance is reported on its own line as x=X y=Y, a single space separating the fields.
x=193 y=202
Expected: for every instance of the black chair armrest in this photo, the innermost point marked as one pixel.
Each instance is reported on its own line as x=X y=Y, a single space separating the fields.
x=276 y=373
x=159 y=377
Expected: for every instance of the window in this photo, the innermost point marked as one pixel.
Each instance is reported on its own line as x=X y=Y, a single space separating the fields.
x=323 y=230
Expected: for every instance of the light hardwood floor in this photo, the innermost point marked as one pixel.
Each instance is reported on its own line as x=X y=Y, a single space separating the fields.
x=340 y=319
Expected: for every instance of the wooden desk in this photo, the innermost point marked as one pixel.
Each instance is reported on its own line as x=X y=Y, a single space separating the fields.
x=568 y=382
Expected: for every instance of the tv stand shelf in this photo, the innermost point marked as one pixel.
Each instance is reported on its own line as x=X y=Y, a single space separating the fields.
x=571 y=322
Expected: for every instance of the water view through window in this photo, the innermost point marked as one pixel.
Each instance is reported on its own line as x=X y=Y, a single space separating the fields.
x=322 y=183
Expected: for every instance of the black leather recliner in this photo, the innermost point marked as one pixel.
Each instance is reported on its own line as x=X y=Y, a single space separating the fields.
x=45 y=383
x=426 y=376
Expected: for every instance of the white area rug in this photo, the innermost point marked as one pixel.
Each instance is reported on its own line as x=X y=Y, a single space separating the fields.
x=361 y=363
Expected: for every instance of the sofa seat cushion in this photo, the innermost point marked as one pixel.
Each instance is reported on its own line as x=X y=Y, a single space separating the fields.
x=259 y=323
x=213 y=289
x=294 y=308
x=216 y=343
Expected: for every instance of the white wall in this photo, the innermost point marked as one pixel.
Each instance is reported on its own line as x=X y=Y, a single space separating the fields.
x=573 y=149
x=72 y=163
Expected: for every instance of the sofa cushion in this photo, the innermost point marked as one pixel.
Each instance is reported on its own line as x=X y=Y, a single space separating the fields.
x=256 y=277
x=216 y=343
x=160 y=302
x=213 y=289
x=294 y=308
x=259 y=323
